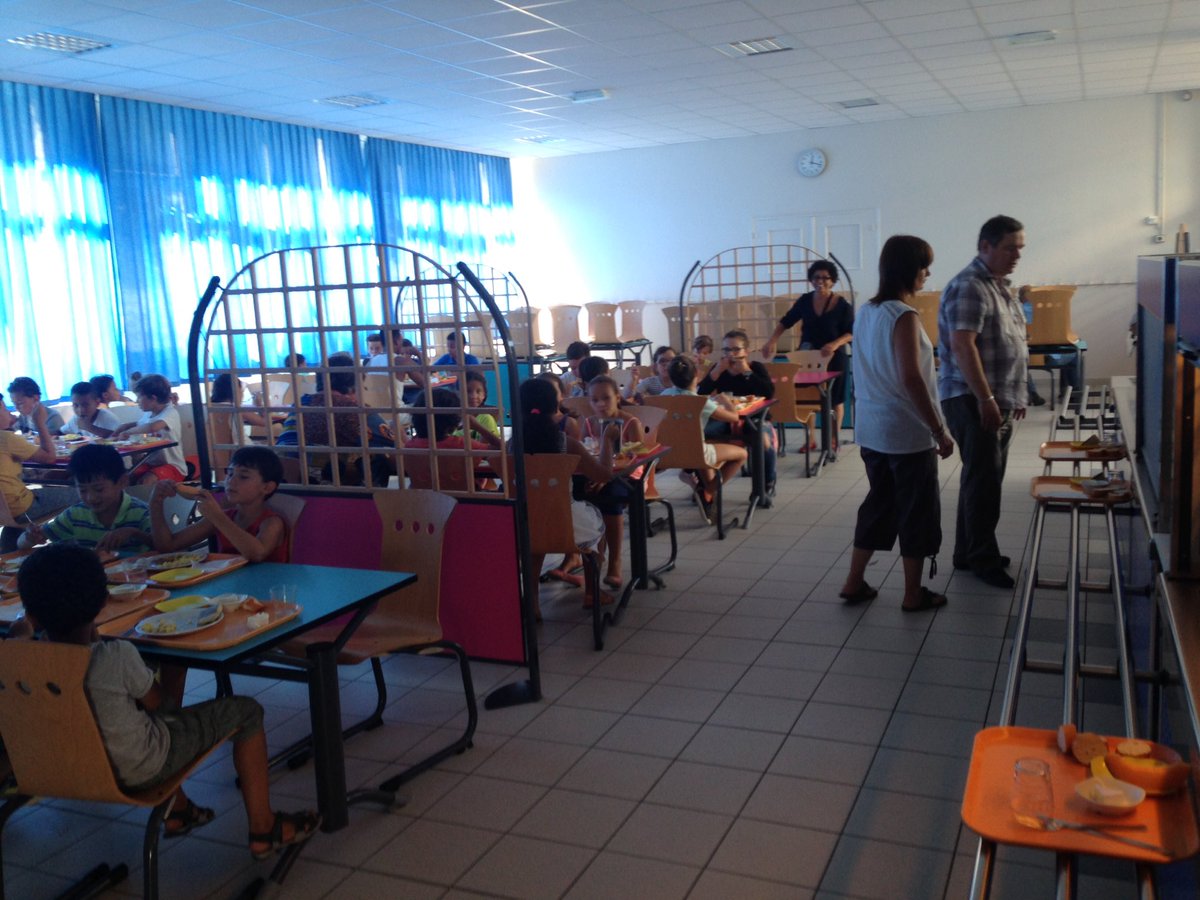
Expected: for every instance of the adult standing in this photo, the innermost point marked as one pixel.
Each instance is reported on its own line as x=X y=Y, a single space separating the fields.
x=983 y=384
x=898 y=428
x=827 y=325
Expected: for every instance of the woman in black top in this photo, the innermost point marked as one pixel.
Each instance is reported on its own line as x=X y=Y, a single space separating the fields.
x=736 y=374
x=828 y=326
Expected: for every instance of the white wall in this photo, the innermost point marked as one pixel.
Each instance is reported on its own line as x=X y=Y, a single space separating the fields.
x=629 y=224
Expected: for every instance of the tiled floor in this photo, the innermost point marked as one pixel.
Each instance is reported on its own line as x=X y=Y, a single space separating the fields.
x=743 y=734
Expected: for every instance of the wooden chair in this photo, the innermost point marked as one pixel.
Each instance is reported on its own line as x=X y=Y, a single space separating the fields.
x=581 y=406
x=808 y=399
x=414 y=528
x=551 y=527
x=1051 y=325
x=680 y=430
x=786 y=410
x=625 y=379
x=689 y=324
x=179 y=511
x=565 y=321
x=451 y=469
x=522 y=331
x=926 y=305
x=652 y=418
x=633 y=331
x=54 y=743
x=602 y=319
x=222 y=435
x=290 y=507
x=787 y=340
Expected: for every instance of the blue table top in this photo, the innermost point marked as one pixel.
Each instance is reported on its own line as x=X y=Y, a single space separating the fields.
x=323 y=593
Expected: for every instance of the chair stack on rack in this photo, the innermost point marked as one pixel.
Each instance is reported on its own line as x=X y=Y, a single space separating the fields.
x=565 y=321
x=633 y=333
x=1050 y=331
x=602 y=319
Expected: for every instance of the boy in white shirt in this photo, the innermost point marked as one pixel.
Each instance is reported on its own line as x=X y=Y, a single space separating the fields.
x=160 y=418
x=89 y=418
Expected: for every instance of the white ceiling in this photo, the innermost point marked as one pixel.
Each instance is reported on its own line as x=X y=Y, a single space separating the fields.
x=480 y=74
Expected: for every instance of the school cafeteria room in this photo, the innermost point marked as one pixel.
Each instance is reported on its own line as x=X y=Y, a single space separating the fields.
x=522 y=626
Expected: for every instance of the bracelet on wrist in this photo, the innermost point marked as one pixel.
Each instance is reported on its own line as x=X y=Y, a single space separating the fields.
x=987 y=399
x=939 y=431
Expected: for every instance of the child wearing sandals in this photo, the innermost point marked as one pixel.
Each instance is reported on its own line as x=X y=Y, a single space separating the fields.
x=729 y=458
x=64 y=588
x=540 y=420
x=611 y=497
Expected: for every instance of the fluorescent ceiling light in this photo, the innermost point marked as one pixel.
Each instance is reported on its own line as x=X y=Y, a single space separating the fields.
x=859 y=103
x=352 y=101
x=753 y=47
x=60 y=43
x=540 y=139
x=1031 y=37
x=593 y=95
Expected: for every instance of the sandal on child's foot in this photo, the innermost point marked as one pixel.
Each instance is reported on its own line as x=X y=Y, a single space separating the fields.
x=606 y=599
x=613 y=581
x=304 y=825
x=183 y=821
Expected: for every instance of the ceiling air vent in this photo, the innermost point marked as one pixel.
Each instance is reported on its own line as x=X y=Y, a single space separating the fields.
x=753 y=47
x=352 y=101
x=60 y=43
x=859 y=103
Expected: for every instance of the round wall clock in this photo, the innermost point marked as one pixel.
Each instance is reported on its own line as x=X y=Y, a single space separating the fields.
x=810 y=163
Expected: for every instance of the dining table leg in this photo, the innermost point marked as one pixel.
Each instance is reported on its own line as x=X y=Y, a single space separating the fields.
x=826 y=431
x=329 y=760
x=758 y=464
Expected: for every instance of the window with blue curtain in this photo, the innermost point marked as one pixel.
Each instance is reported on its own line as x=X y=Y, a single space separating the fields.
x=197 y=194
x=59 y=318
x=448 y=204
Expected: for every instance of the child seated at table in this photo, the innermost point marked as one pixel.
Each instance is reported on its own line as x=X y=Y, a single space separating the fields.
x=89 y=417
x=106 y=390
x=729 y=458
x=27 y=506
x=735 y=373
x=27 y=398
x=246 y=525
x=147 y=737
x=577 y=352
x=482 y=425
x=540 y=418
x=161 y=419
x=613 y=496
x=569 y=423
x=105 y=518
x=702 y=350
x=658 y=382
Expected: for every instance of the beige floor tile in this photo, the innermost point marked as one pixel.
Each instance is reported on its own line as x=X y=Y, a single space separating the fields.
x=683 y=836
x=573 y=817
x=619 y=875
x=527 y=868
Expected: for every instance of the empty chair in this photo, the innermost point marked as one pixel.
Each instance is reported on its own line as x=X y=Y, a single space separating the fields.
x=787 y=411
x=565 y=320
x=926 y=305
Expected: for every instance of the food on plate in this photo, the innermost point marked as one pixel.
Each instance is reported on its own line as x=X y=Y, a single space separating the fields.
x=71 y=438
x=259 y=620
x=1066 y=737
x=181 y=621
x=167 y=561
x=1134 y=748
x=1110 y=796
x=174 y=576
x=1087 y=746
x=1162 y=772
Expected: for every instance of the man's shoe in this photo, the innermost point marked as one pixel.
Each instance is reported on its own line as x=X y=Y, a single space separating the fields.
x=1005 y=562
x=996 y=577
x=1037 y=400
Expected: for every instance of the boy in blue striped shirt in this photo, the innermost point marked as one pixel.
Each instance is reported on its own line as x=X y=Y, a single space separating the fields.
x=106 y=518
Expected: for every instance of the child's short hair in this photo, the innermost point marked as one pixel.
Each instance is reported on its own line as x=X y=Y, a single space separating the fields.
x=155 y=387
x=578 y=350
x=474 y=375
x=702 y=342
x=93 y=461
x=102 y=383
x=294 y=360
x=262 y=460
x=602 y=380
x=591 y=367
x=738 y=334
x=554 y=379
x=339 y=382
x=682 y=372
x=443 y=423
x=83 y=389
x=25 y=386
x=63 y=586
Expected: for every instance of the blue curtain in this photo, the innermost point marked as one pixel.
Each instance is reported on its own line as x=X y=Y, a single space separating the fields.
x=447 y=204
x=196 y=194
x=59 y=318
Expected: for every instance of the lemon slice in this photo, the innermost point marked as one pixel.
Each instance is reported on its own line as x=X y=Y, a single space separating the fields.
x=1100 y=768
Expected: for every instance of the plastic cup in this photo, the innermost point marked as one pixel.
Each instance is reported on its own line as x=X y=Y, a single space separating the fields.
x=1033 y=792
x=284 y=593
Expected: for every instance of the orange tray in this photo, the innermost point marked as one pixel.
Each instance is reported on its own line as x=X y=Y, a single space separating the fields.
x=11 y=606
x=236 y=561
x=1066 y=451
x=1065 y=489
x=1169 y=820
x=231 y=630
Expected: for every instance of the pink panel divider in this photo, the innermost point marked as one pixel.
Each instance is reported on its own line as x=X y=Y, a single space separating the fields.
x=480 y=606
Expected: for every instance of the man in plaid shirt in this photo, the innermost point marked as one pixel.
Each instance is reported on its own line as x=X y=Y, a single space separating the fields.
x=983 y=383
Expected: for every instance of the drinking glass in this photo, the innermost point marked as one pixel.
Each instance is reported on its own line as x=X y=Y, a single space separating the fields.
x=284 y=593
x=1033 y=792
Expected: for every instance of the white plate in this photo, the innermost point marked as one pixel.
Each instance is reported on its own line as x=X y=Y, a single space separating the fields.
x=186 y=621
x=10 y=566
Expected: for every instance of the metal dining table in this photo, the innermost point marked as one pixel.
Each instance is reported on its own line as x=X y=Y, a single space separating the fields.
x=821 y=380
